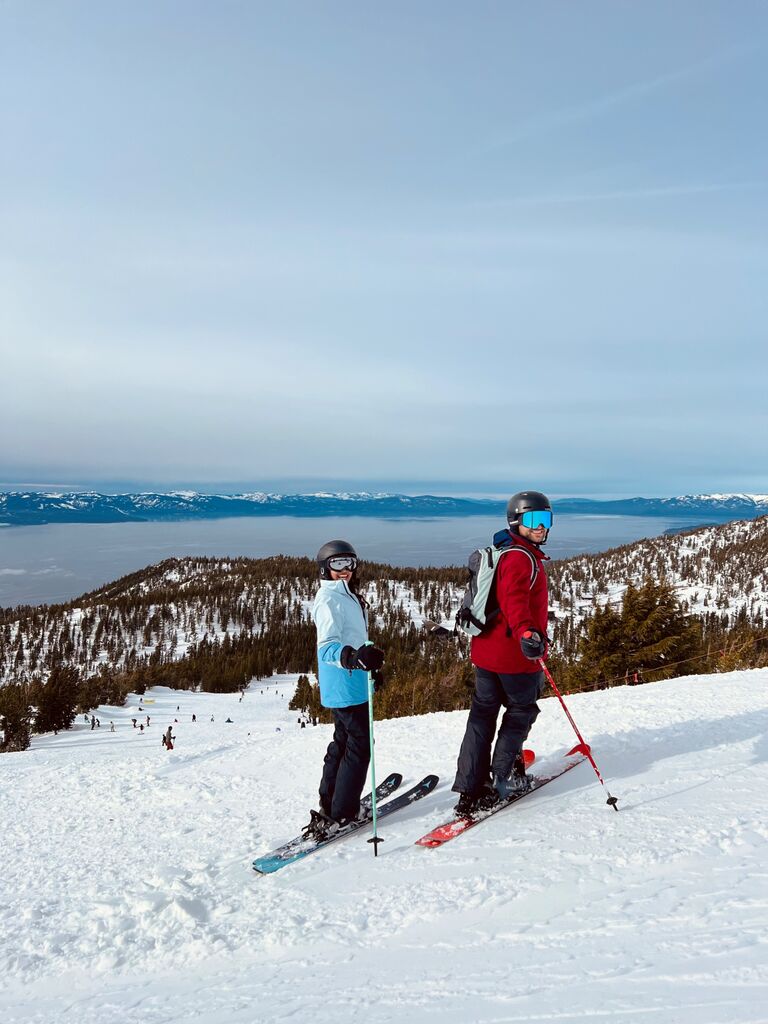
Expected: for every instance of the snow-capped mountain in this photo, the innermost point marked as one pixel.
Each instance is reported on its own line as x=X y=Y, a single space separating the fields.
x=716 y=505
x=29 y=508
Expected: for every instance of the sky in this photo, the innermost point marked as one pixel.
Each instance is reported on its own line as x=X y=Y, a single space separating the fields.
x=442 y=246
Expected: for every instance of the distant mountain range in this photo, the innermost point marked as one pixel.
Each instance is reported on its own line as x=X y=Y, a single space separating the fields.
x=33 y=508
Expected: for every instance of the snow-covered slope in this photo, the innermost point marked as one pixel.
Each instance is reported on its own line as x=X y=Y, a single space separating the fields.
x=721 y=569
x=126 y=893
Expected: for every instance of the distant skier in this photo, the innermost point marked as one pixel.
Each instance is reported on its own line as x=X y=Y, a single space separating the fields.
x=344 y=660
x=168 y=739
x=134 y=722
x=194 y=718
x=93 y=722
x=504 y=656
x=111 y=726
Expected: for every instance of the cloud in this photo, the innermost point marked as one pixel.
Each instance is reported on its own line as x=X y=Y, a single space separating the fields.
x=660 y=192
x=600 y=106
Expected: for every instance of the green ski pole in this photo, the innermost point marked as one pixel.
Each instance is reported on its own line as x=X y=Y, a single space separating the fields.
x=375 y=837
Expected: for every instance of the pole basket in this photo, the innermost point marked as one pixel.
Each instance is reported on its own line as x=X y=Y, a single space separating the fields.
x=375 y=840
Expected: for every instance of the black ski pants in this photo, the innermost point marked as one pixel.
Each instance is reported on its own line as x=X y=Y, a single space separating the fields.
x=518 y=693
x=346 y=762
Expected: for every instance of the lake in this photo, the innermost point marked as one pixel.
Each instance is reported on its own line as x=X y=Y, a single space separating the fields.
x=46 y=564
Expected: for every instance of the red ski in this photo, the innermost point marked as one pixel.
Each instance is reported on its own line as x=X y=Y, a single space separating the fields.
x=451 y=829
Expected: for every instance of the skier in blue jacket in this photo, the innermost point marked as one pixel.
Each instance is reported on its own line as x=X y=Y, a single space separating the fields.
x=345 y=657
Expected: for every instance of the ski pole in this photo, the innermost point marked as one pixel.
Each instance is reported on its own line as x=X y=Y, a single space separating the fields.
x=375 y=837
x=612 y=801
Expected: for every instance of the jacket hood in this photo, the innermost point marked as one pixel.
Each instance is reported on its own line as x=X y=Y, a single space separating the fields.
x=503 y=538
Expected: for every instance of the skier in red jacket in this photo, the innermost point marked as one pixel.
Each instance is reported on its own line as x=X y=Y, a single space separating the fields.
x=505 y=656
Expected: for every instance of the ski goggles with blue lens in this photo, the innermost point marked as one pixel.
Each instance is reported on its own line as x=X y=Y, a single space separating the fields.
x=342 y=563
x=533 y=520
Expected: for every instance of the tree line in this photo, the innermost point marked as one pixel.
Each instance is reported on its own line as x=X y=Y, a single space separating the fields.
x=215 y=624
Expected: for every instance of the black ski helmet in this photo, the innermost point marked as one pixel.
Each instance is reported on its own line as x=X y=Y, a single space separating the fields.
x=526 y=501
x=330 y=550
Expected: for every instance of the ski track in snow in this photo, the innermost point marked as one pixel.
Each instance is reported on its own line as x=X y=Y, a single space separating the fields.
x=127 y=893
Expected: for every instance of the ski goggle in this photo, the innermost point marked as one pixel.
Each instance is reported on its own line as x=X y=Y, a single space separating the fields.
x=340 y=563
x=533 y=520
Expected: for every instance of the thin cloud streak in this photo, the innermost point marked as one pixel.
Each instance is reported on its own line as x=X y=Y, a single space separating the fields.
x=663 y=192
x=596 y=108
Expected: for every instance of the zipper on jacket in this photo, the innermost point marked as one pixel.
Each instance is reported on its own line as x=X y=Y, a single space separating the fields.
x=358 y=602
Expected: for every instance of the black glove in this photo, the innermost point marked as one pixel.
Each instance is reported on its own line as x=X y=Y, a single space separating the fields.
x=378 y=680
x=437 y=632
x=367 y=657
x=533 y=644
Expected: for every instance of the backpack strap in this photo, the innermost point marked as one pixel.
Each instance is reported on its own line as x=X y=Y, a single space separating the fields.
x=534 y=571
x=532 y=558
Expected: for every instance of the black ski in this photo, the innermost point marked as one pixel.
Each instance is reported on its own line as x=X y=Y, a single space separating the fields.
x=300 y=847
x=384 y=789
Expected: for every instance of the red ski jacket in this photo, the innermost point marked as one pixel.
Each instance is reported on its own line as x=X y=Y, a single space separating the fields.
x=522 y=607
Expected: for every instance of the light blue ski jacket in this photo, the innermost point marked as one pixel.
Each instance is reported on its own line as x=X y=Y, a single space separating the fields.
x=341 y=622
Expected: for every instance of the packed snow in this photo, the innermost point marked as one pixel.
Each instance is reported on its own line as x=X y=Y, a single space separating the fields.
x=127 y=892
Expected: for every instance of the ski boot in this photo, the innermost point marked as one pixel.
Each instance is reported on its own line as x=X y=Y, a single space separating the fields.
x=364 y=814
x=488 y=798
x=471 y=803
x=320 y=826
x=516 y=784
x=465 y=805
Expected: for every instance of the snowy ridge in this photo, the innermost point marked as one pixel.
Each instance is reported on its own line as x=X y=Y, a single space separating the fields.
x=21 y=508
x=177 y=611
x=721 y=569
x=127 y=895
x=35 y=508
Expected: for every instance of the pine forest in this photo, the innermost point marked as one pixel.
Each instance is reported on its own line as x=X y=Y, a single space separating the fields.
x=673 y=605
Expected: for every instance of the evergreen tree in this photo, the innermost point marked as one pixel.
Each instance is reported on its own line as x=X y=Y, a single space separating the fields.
x=649 y=637
x=657 y=634
x=57 y=700
x=601 y=652
x=302 y=698
x=15 y=717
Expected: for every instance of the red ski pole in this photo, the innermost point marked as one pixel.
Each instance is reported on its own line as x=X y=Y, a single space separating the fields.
x=612 y=800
